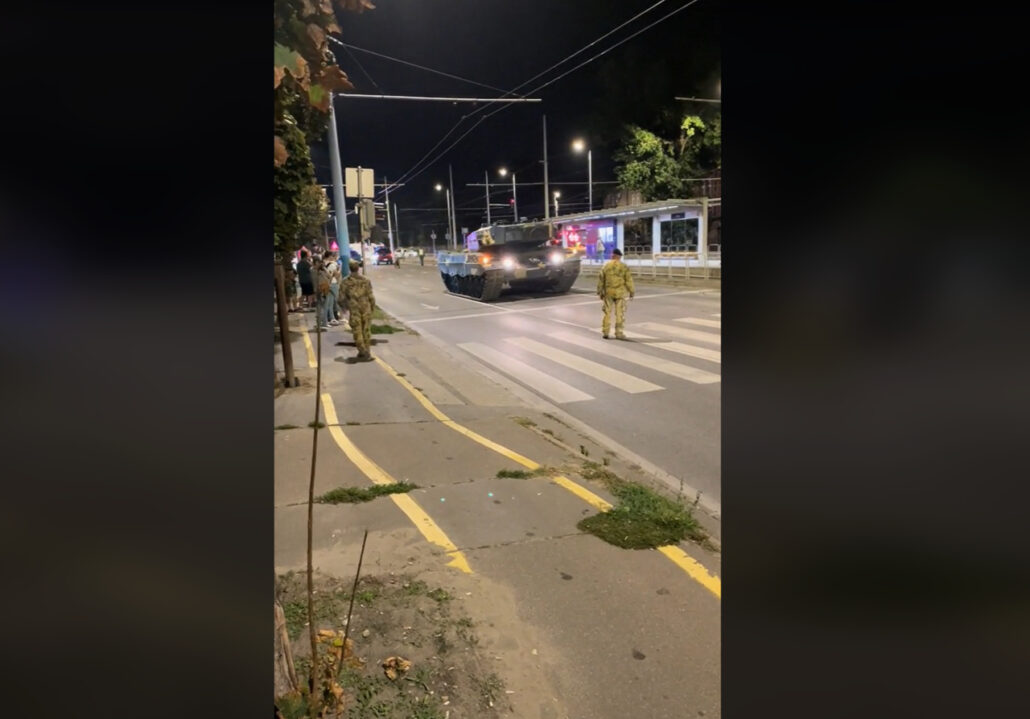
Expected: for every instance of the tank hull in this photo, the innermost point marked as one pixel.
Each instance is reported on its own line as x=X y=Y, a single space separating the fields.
x=463 y=273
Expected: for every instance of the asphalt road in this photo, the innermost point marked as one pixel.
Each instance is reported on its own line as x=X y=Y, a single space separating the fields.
x=657 y=395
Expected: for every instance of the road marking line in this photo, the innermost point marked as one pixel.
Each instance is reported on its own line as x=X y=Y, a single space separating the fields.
x=717 y=324
x=690 y=350
x=675 y=369
x=683 y=332
x=681 y=559
x=555 y=390
x=312 y=362
x=422 y=521
x=631 y=335
x=432 y=409
x=602 y=373
x=456 y=317
x=692 y=567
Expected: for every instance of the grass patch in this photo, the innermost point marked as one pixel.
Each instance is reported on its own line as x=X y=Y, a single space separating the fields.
x=320 y=425
x=439 y=595
x=384 y=329
x=524 y=421
x=491 y=690
x=378 y=314
x=642 y=519
x=352 y=495
x=286 y=426
x=523 y=473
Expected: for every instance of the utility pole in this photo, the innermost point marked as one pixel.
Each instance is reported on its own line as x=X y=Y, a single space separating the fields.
x=454 y=236
x=397 y=221
x=342 y=237
x=389 y=222
x=547 y=193
x=487 y=176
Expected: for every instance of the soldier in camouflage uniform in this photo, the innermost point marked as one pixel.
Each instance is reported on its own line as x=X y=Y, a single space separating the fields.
x=614 y=285
x=356 y=295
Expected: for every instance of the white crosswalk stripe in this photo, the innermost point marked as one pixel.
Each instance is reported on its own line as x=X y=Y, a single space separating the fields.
x=556 y=390
x=689 y=350
x=717 y=324
x=682 y=332
x=613 y=348
x=595 y=370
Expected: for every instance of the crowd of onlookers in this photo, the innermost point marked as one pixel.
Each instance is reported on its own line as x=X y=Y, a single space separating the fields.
x=313 y=274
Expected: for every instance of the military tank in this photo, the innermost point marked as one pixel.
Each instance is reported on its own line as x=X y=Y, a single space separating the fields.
x=521 y=258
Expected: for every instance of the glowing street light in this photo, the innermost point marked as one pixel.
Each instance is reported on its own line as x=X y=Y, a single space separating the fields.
x=556 y=196
x=578 y=146
x=450 y=219
x=503 y=172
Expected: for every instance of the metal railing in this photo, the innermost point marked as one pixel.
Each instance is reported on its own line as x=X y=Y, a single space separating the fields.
x=665 y=265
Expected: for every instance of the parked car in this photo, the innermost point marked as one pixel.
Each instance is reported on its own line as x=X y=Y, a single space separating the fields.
x=384 y=256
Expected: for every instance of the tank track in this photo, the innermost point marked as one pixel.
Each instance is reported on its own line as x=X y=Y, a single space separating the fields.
x=484 y=288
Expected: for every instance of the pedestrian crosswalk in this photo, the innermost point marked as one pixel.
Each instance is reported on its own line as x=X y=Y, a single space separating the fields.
x=575 y=365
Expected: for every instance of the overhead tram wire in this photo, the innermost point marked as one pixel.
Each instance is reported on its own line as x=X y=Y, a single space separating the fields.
x=408 y=174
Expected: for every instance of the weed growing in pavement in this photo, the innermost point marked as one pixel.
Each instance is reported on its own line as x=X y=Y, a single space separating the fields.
x=524 y=421
x=378 y=314
x=383 y=329
x=584 y=451
x=605 y=461
x=642 y=519
x=286 y=426
x=320 y=425
x=523 y=473
x=550 y=432
x=363 y=494
x=353 y=424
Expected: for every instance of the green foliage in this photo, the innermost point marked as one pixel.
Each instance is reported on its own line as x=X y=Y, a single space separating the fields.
x=313 y=213
x=364 y=494
x=290 y=181
x=660 y=168
x=642 y=519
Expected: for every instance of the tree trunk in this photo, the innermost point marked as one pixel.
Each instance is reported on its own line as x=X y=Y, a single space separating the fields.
x=284 y=324
x=285 y=674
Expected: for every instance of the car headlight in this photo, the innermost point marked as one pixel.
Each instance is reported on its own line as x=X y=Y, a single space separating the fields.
x=557 y=258
x=508 y=263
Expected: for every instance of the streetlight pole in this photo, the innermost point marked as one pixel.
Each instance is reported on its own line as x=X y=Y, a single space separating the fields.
x=579 y=146
x=556 y=196
x=448 y=208
x=342 y=238
x=546 y=207
x=514 y=196
x=454 y=222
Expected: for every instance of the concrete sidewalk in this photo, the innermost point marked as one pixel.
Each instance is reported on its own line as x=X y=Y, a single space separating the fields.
x=579 y=628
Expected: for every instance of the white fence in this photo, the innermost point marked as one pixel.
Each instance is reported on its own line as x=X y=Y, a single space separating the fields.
x=668 y=265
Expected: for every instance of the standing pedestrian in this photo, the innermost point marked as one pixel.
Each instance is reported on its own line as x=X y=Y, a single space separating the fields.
x=614 y=285
x=335 y=275
x=306 y=279
x=421 y=257
x=356 y=295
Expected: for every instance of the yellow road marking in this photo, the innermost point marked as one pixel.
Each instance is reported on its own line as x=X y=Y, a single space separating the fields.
x=312 y=362
x=694 y=569
x=422 y=521
x=583 y=493
x=432 y=409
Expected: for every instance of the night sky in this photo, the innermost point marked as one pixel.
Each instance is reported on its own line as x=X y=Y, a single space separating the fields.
x=503 y=44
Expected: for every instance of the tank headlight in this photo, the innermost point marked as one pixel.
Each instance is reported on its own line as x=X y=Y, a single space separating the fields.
x=508 y=263
x=557 y=258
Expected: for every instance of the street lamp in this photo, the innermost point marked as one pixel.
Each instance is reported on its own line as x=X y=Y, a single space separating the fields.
x=514 y=197
x=579 y=146
x=556 y=196
x=450 y=223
